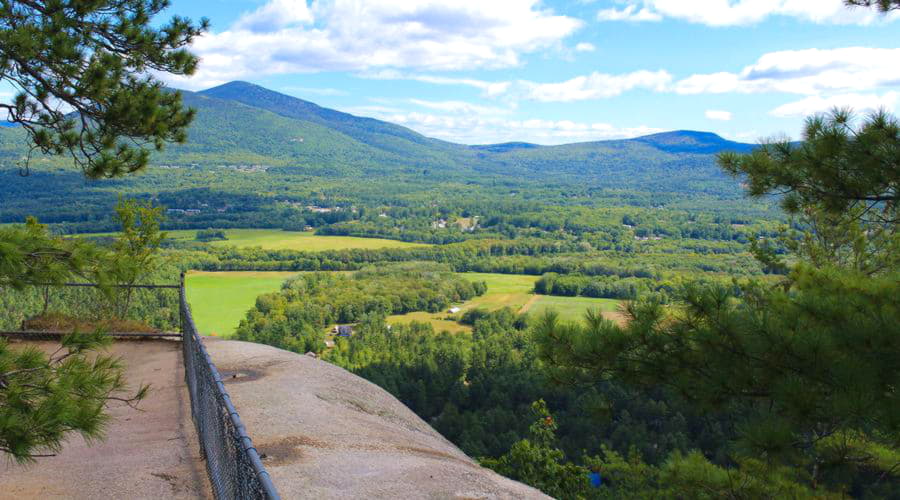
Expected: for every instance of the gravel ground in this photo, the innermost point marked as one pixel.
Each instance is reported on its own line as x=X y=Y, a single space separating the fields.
x=151 y=453
x=326 y=433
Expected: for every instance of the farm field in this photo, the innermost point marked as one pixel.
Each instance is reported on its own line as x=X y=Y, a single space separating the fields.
x=573 y=308
x=276 y=239
x=514 y=291
x=220 y=300
x=273 y=239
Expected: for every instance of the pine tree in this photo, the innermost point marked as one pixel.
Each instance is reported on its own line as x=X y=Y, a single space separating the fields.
x=44 y=398
x=82 y=70
x=83 y=74
x=798 y=366
x=881 y=5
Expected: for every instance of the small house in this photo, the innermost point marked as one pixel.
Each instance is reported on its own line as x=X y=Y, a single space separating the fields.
x=454 y=310
x=343 y=330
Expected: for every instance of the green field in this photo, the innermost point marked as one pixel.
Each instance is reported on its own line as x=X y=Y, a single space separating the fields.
x=572 y=308
x=276 y=239
x=220 y=300
x=513 y=291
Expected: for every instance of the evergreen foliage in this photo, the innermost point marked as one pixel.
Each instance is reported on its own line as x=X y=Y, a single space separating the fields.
x=881 y=5
x=45 y=397
x=807 y=369
x=93 y=57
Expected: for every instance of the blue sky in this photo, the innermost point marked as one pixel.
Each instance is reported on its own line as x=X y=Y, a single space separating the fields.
x=484 y=71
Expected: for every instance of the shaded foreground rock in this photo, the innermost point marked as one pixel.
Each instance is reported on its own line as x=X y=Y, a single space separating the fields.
x=326 y=433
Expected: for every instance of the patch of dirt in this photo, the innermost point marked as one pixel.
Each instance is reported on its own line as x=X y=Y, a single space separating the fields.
x=434 y=454
x=617 y=317
x=240 y=376
x=287 y=450
x=528 y=304
x=169 y=478
x=57 y=322
x=151 y=452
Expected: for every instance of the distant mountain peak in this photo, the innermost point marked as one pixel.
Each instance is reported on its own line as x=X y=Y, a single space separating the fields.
x=233 y=85
x=692 y=141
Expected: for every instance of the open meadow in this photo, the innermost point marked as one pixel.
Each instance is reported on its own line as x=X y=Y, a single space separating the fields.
x=276 y=239
x=513 y=291
x=219 y=301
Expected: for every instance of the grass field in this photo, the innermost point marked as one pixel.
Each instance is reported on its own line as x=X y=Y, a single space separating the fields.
x=270 y=239
x=571 y=307
x=513 y=291
x=220 y=300
x=275 y=239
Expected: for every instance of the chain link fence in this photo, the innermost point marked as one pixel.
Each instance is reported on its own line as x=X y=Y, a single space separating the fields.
x=233 y=464
x=87 y=306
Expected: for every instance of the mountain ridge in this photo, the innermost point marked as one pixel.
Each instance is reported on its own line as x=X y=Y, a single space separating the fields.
x=244 y=92
x=240 y=123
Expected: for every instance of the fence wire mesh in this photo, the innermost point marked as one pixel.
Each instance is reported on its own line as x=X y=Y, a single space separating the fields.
x=233 y=464
x=86 y=306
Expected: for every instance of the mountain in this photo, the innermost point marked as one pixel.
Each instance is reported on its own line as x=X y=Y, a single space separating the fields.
x=397 y=139
x=383 y=135
x=243 y=123
x=689 y=141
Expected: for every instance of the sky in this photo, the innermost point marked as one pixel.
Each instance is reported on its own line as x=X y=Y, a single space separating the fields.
x=551 y=72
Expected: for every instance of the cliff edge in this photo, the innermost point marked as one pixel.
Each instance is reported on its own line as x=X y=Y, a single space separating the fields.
x=326 y=433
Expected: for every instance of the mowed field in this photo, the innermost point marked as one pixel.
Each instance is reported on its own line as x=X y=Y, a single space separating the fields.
x=220 y=300
x=276 y=239
x=513 y=291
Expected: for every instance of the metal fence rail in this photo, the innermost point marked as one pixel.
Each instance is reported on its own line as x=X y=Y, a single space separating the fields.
x=233 y=464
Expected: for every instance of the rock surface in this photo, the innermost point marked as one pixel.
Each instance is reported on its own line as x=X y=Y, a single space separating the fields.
x=326 y=433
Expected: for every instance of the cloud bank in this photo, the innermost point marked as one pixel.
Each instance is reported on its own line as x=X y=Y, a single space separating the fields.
x=742 y=12
x=288 y=36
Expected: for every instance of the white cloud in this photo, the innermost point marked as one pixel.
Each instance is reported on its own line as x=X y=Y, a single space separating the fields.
x=809 y=72
x=714 y=114
x=476 y=129
x=285 y=36
x=595 y=86
x=585 y=47
x=460 y=107
x=743 y=12
x=862 y=103
x=489 y=89
x=586 y=87
x=275 y=15
x=629 y=13
x=751 y=136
